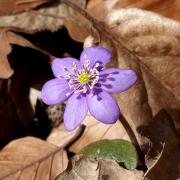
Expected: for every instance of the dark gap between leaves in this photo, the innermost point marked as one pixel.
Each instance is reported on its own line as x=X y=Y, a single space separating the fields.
x=31 y=69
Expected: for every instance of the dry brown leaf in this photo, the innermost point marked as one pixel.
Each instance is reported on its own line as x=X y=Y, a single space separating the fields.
x=46 y=18
x=8 y=7
x=163 y=159
x=81 y=168
x=60 y=136
x=155 y=48
x=96 y=131
x=8 y=38
x=100 y=9
x=168 y=8
x=31 y=158
x=78 y=23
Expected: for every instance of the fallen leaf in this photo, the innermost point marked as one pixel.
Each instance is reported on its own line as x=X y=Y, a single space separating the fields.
x=31 y=158
x=81 y=168
x=163 y=159
x=78 y=23
x=100 y=9
x=166 y=100
x=8 y=7
x=60 y=136
x=8 y=38
x=154 y=49
x=45 y=18
x=168 y=8
x=119 y=150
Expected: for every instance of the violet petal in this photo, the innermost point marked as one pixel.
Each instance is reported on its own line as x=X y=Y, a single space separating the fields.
x=115 y=80
x=60 y=64
x=103 y=107
x=96 y=54
x=75 y=112
x=54 y=91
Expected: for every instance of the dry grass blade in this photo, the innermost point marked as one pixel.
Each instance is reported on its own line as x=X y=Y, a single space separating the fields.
x=31 y=158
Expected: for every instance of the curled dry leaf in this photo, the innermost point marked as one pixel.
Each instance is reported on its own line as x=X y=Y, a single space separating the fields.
x=81 y=168
x=163 y=159
x=31 y=158
x=7 y=38
x=46 y=18
x=154 y=45
x=8 y=7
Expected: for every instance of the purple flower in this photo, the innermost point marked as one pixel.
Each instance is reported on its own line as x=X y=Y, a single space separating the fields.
x=86 y=85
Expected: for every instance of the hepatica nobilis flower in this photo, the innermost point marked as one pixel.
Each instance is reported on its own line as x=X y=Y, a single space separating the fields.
x=86 y=85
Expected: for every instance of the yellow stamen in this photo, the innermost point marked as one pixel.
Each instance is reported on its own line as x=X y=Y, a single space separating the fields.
x=83 y=78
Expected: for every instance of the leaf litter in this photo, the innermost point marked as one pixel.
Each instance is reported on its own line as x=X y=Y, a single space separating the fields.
x=140 y=40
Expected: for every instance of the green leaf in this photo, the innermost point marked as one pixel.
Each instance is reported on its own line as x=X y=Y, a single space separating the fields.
x=119 y=150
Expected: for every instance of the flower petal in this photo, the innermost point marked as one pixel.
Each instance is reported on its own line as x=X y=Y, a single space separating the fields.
x=59 y=65
x=103 y=107
x=75 y=112
x=54 y=91
x=115 y=80
x=96 y=54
